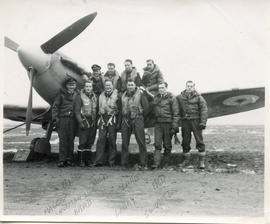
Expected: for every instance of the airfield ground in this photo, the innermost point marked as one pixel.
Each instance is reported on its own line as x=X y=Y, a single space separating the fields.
x=40 y=188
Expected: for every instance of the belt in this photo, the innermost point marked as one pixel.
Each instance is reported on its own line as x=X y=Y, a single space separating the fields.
x=67 y=114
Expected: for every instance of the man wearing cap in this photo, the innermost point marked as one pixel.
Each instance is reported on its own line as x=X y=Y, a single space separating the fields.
x=113 y=75
x=86 y=114
x=63 y=115
x=96 y=78
x=134 y=107
x=109 y=122
x=130 y=72
x=166 y=112
x=193 y=115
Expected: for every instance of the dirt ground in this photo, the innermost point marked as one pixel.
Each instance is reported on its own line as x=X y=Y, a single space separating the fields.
x=40 y=188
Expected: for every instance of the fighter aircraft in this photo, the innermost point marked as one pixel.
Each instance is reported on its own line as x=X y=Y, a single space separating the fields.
x=47 y=68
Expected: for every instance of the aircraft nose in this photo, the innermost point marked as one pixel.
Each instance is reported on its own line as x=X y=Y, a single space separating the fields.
x=34 y=58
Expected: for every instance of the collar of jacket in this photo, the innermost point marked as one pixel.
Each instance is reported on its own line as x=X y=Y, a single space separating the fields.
x=185 y=94
x=90 y=95
x=115 y=74
x=130 y=94
x=108 y=94
x=156 y=69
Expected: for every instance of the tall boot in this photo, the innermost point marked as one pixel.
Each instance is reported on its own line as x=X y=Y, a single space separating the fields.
x=166 y=159
x=201 y=160
x=186 y=163
x=87 y=158
x=157 y=159
x=81 y=158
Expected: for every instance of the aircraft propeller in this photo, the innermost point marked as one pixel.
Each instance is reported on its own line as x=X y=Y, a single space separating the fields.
x=30 y=100
x=68 y=34
x=11 y=44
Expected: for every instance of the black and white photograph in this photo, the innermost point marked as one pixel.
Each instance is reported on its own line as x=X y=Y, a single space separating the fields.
x=135 y=111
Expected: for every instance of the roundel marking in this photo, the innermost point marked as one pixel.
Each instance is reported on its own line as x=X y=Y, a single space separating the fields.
x=240 y=100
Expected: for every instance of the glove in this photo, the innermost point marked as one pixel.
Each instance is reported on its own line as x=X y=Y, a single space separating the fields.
x=202 y=126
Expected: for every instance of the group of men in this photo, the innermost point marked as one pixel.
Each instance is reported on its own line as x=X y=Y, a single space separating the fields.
x=113 y=102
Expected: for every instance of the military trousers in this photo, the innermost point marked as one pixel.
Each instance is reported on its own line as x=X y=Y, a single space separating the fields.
x=137 y=126
x=87 y=137
x=106 y=132
x=188 y=127
x=66 y=133
x=162 y=135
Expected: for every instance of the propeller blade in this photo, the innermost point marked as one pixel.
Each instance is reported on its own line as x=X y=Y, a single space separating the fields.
x=30 y=100
x=68 y=34
x=11 y=44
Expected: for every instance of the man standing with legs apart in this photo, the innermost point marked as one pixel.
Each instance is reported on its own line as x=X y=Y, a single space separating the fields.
x=109 y=123
x=86 y=114
x=193 y=114
x=166 y=112
x=134 y=107
x=63 y=115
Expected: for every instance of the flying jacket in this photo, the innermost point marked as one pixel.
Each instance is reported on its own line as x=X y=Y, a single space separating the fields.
x=166 y=109
x=134 y=75
x=151 y=79
x=192 y=106
x=63 y=105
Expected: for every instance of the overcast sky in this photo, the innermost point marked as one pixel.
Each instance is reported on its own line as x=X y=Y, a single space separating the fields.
x=220 y=44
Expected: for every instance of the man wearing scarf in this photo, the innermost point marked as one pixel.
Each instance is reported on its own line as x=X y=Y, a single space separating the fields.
x=130 y=72
x=63 y=115
x=193 y=115
x=86 y=114
x=134 y=107
x=108 y=124
x=113 y=75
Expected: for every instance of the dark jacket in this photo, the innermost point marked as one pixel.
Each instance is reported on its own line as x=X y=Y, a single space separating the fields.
x=64 y=104
x=151 y=79
x=192 y=106
x=166 y=109
x=134 y=75
x=98 y=86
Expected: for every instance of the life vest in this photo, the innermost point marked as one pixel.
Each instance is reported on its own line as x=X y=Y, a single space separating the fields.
x=114 y=78
x=108 y=104
x=131 y=106
x=89 y=105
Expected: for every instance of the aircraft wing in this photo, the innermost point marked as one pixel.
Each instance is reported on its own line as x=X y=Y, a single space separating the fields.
x=18 y=113
x=234 y=101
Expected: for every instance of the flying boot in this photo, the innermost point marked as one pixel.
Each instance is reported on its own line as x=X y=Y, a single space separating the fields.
x=186 y=163
x=87 y=157
x=157 y=159
x=81 y=158
x=201 y=160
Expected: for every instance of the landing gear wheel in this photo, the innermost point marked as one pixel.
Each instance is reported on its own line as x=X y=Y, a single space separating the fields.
x=43 y=146
x=147 y=138
x=39 y=148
